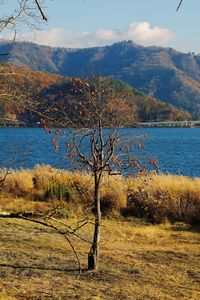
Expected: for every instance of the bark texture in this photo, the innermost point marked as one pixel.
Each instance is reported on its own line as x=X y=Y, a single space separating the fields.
x=93 y=256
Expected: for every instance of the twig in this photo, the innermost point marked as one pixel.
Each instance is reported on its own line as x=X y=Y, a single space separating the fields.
x=179 y=5
x=41 y=11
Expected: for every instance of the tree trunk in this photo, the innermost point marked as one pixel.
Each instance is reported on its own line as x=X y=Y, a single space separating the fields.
x=93 y=256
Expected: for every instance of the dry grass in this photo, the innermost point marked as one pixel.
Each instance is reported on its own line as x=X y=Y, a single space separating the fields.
x=157 y=198
x=138 y=261
x=165 y=197
x=36 y=189
x=35 y=184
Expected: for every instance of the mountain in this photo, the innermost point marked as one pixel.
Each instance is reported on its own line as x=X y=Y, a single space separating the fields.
x=23 y=92
x=164 y=73
x=20 y=90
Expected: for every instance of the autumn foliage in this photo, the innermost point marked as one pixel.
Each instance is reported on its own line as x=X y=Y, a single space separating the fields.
x=25 y=94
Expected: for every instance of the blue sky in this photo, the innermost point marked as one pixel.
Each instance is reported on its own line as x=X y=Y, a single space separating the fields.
x=86 y=23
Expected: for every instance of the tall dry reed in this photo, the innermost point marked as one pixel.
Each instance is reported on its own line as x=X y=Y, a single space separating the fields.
x=155 y=197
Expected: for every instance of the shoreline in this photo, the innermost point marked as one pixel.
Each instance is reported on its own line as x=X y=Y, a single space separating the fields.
x=133 y=127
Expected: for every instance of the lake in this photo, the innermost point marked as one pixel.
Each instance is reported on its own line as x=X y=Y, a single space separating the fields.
x=176 y=149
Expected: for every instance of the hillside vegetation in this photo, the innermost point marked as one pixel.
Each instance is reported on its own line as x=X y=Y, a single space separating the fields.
x=164 y=73
x=24 y=94
x=19 y=93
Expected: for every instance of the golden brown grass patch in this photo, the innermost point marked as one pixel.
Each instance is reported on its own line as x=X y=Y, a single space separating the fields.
x=137 y=261
x=25 y=188
x=156 y=197
x=165 y=197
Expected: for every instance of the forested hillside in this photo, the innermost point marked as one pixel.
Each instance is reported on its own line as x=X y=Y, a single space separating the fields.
x=164 y=73
x=28 y=92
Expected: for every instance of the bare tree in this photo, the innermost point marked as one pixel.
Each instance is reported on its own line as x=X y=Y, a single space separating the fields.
x=25 y=12
x=90 y=146
x=87 y=109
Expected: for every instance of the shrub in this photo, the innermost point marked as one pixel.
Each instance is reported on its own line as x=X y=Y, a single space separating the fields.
x=165 y=197
x=60 y=192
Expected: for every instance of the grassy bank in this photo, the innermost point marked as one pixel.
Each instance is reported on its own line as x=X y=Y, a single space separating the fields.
x=157 y=198
x=137 y=261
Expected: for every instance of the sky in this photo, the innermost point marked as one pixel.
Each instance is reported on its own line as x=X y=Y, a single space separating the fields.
x=89 y=23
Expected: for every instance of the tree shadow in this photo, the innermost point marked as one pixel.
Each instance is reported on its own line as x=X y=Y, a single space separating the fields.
x=15 y=266
x=180 y=227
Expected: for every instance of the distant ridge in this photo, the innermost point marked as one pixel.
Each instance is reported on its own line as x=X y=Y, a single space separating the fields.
x=164 y=73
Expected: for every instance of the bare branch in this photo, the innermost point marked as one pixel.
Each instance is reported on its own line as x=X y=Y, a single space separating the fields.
x=44 y=17
x=26 y=216
x=179 y=5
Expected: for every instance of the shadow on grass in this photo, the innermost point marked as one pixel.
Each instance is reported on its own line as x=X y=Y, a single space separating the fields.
x=40 y=268
x=183 y=227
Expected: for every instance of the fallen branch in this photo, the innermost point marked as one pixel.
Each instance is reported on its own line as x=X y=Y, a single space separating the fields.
x=44 y=220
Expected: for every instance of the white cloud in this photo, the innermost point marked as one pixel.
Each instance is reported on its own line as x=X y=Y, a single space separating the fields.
x=55 y=37
x=141 y=33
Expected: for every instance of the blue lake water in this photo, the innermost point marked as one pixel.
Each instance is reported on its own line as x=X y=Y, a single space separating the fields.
x=176 y=149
